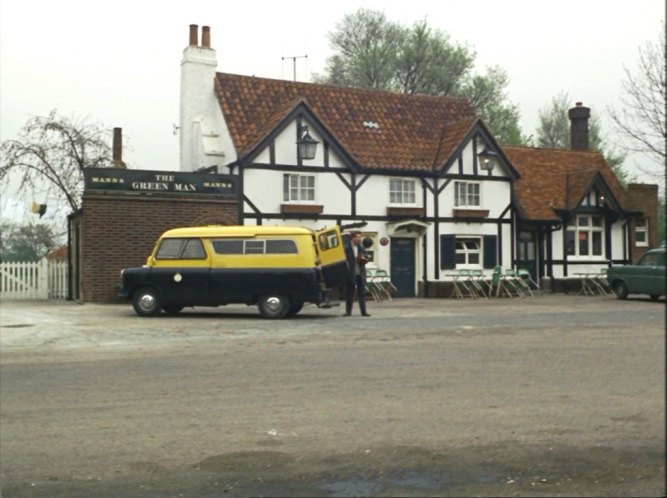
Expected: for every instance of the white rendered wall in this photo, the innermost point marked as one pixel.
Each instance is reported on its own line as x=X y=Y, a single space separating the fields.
x=204 y=136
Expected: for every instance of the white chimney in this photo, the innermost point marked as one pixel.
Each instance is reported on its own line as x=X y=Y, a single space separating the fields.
x=202 y=130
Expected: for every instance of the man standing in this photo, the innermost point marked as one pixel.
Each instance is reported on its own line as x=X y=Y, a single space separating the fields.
x=356 y=262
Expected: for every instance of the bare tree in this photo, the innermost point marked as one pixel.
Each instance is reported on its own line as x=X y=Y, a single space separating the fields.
x=49 y=156
x=641 y=121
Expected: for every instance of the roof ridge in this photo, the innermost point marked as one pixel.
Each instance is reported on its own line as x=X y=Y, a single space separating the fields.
x=350 y=88
x=550 y=149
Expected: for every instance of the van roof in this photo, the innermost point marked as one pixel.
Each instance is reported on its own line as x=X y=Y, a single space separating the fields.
x=235 y=231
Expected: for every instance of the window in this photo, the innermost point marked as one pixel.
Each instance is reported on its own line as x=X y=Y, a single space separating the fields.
x=401 y=191
x=468 y=252
x=641 y=232
x=328 y=240
x=467 y=194
x=585 y=237
x=254 y=246
x=181 y=249
x=298 y=188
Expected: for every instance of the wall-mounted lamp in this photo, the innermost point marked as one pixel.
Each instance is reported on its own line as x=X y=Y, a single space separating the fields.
x=602 y=199
x=306 y=145
x=487 y=159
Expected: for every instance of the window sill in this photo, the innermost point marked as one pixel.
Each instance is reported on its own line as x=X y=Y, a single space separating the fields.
x=470 y=213
x=301 y=209
x=415 y=212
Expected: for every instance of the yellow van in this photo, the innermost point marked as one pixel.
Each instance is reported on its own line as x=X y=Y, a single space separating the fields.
x=275 y=267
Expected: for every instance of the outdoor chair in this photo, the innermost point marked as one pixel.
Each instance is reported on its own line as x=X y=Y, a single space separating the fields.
x=514 y=282
x=498 y=283
x=463 y=285
x=522 y=282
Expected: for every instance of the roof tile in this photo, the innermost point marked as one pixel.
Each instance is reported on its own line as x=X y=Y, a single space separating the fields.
x=409 y=126
x=557 y=179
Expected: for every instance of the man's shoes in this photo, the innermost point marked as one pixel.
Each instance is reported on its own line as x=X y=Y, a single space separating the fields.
x=346 y=314
x=365 y=314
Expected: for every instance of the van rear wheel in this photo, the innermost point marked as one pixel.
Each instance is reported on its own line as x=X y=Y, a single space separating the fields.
x=172 y=309
x=146 y=302
x=294 y=309
x=273 y=306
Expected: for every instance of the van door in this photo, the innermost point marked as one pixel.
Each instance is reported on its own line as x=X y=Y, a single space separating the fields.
x=330 y=249
x=180 y=271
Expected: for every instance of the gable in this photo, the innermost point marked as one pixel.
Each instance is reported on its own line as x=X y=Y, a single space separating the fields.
x=378 y=130
x=557 y=180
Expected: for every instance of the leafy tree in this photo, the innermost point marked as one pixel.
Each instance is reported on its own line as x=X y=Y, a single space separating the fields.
x=553 y=131
x=26 y=242
x=50 y=155
x=373 y=52
x=367 y=46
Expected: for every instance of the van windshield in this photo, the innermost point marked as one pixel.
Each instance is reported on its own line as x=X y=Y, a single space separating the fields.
x=181 y=249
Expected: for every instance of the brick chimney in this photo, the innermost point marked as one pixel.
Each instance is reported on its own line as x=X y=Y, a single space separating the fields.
x=579 y=126
x=117 y=149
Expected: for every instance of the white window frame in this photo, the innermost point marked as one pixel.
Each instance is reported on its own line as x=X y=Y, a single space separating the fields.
x=467 y=251
x=399 y=195
x=641 y=227
x=300 y=189
x=588 y=230
x=466 y=199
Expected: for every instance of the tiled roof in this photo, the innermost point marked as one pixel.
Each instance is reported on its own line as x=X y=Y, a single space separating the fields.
x=557 y=179
x=408 y=132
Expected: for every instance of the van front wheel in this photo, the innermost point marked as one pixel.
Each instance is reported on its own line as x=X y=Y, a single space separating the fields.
x=273 y=306
x=146 y=302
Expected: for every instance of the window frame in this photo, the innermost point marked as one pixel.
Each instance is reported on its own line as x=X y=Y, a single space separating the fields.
x=402 y=193
x=287 y=192
x=577 y=229
x=644 y=231
x=185 y=243
x=249 y=242
x=467 y=252
x=467 y=195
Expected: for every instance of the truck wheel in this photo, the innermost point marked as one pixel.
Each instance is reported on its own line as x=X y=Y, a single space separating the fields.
x=273 y=306
x=172 y=309
x=294 y=309
x=621 y=290
x=146 y=302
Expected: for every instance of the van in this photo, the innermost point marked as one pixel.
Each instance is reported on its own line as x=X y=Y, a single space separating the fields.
x=277 y=268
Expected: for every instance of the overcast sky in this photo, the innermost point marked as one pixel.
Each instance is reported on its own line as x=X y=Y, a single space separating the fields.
x=118 y=63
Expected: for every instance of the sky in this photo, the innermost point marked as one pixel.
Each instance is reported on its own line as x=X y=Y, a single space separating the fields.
x=118 y=63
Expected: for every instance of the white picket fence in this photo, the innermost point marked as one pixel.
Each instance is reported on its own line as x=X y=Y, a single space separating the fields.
x=33 y=280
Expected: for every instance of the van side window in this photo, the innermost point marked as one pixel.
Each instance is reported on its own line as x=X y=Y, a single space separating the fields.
x=181 y=249
x=228 y=246
x=254 y=246
x=281 y=247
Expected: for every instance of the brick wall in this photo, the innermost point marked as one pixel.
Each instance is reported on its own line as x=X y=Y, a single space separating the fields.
x=119 y=231
x=643 y=197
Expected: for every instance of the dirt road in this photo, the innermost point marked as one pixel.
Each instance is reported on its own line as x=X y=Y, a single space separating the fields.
x=557 y=395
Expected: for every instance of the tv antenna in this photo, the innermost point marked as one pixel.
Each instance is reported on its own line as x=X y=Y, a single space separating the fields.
x=294 y=58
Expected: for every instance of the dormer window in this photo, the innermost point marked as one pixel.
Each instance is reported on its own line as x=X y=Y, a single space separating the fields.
x=298 y=188
x=467 y=194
